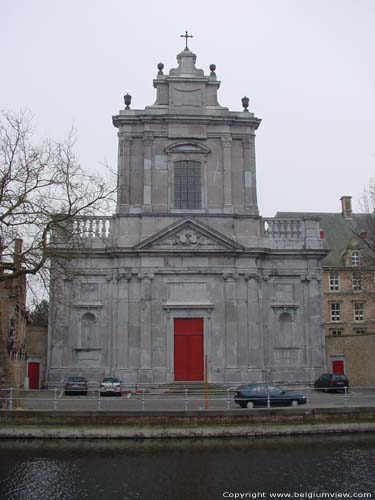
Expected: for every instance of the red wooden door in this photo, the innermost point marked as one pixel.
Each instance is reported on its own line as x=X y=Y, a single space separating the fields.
x=338 y=367
x=188 y=349
x=33 y=374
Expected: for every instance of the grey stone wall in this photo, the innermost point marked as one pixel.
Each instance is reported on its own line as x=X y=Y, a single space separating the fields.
x=254 y=282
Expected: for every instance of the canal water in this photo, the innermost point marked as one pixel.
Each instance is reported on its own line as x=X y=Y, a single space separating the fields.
x=304 y=467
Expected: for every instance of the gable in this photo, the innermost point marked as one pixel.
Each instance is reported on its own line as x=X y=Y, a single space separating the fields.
x=189 y=235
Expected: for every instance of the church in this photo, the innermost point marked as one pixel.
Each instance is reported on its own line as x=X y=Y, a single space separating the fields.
x=186 y=280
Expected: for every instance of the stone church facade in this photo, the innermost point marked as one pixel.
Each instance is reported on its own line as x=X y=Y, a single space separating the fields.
x=186 y=270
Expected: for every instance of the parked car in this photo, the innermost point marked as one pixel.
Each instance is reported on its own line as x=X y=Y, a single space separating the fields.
x=257 y=395
x=331 y=382
x=110 y=385
x=76 y=385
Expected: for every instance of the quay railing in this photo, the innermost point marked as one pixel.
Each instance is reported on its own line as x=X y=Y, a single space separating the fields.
x=143 y=398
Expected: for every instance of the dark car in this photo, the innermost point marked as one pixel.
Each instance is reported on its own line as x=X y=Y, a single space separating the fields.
x=76 y=385
x=331 y=382
x=259 y=394
x=110 y=385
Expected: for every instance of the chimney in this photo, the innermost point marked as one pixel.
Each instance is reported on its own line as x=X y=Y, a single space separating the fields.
x=346 y=207
x=17 y=253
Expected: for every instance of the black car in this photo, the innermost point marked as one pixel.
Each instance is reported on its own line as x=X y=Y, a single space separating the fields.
x=259 y=394
x=330 y=382
x=76 y=385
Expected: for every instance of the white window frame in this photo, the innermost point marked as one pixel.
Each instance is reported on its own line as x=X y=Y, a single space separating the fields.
x=334 y=281
x=356 y=281
x=355 y=258
x=335 y=312
x=359 y=311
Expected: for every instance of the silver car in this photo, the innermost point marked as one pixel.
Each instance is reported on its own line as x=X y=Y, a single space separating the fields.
x=110 y=385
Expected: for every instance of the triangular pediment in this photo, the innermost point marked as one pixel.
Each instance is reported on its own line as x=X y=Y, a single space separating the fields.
x=188 y=235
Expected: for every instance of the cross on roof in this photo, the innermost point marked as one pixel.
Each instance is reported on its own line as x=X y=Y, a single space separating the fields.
x=186 y=36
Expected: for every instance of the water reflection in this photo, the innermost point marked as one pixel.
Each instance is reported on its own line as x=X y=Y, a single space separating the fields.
x=184 y=469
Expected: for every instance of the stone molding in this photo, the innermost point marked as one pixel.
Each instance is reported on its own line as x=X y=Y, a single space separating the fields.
x=230 y=276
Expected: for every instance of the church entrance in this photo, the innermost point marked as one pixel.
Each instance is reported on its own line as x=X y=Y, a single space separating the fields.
x=188 y=349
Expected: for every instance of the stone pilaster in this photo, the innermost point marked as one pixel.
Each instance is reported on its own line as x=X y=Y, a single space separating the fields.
x=146 y=324
x=313 y=314
x=265 y=312
x=256 y=354
x=227 y=143
x=121 y=315
x=249 y=174
x=231 y=316
x=124 y=171
x=147 y=163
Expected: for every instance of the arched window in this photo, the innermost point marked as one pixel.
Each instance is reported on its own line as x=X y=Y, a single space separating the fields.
x=187 y=184
x=88 y=330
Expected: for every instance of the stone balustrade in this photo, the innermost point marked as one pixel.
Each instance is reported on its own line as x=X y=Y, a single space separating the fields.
x=93 y=227
x=292 y=232
x=284 y=228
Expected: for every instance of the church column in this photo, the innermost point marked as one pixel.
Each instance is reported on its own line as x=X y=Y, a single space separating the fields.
x=249 y=174
x=231 y=314
x=227 y=141
x=124 y=170
x=145 y=368
x=147 y=162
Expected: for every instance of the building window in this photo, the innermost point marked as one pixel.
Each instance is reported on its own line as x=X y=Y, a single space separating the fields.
x=334 y=281
x=359 y=311
x=357 y=281
x=359 y=331
x=187 y=184
x=335 y=311
x=336 y=333
x=355 y=258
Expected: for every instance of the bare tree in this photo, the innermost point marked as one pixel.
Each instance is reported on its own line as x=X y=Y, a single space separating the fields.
x=367 y=234
x=43 y=189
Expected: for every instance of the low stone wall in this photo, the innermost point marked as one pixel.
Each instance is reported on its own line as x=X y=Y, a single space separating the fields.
x=58 y=424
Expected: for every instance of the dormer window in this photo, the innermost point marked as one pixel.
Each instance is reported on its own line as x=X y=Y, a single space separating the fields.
x=187 y=184
x=355 y=258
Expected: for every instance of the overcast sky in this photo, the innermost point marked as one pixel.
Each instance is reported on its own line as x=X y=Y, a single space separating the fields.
x=306 y=65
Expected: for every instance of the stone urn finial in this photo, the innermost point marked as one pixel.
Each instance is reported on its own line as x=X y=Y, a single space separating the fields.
x=245 y=103
x=127 y=100
x=160 y=68
x=212 y=69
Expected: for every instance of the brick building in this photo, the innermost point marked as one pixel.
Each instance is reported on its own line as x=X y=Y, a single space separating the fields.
x=349 y=294
x=13 y=326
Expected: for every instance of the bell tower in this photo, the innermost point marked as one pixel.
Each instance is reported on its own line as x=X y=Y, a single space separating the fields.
x=186 y=154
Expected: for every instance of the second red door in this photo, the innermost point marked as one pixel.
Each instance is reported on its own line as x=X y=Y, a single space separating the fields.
x=188 y=349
